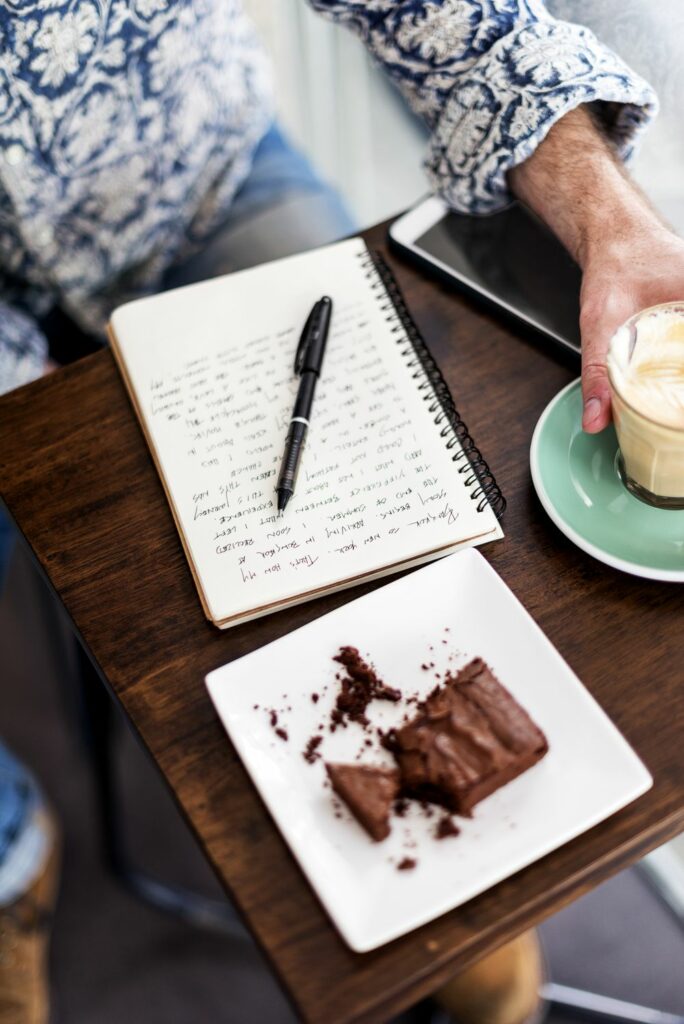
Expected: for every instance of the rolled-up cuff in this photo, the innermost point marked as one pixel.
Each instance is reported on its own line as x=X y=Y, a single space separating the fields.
x=499 y=112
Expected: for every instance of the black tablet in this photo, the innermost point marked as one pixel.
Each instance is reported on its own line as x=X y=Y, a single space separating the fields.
x=510 y=259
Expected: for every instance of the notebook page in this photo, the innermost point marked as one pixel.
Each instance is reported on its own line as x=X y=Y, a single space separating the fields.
x=211 y=369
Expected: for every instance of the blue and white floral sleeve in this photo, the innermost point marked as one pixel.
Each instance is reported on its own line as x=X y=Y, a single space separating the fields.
x=23 y=348
x=491 y=77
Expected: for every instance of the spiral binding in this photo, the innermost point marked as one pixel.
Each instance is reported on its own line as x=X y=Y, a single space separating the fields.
x=474 y=468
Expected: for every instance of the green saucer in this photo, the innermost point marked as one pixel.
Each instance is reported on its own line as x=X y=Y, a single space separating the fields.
x=576 y=478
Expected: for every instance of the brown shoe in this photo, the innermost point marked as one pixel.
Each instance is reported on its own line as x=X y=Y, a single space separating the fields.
x=24 y=942
x=503 y=988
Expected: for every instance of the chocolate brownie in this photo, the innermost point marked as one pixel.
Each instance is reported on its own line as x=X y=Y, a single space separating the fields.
x=470 y=738
x=369 y=792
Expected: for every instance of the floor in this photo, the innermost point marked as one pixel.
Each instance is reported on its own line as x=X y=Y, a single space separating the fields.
x=117 y=960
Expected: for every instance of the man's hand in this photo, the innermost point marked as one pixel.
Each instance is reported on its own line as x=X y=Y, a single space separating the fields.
x=629 y=259
x=619 y=279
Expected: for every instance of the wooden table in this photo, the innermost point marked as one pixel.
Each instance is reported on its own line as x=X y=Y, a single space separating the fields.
x=76 y=476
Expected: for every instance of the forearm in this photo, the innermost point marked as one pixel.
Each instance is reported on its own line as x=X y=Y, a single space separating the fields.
x=575 y=183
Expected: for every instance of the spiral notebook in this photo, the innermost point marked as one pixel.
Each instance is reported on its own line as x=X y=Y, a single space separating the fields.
x=390 y=477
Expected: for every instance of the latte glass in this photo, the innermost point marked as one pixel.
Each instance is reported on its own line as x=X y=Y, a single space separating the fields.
x=646 y=373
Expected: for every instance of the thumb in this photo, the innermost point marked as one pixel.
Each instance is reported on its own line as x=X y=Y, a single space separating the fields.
x=595 y=396
x=596 y=335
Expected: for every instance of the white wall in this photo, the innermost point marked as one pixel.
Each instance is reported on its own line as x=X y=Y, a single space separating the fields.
x=339 y=108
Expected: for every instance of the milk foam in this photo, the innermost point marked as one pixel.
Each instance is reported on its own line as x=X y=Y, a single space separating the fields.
x=646 y=363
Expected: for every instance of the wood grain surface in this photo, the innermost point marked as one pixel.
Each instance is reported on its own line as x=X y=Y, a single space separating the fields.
x=78 y=480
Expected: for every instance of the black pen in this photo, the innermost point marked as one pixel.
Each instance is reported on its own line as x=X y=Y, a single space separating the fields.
x=308 y=363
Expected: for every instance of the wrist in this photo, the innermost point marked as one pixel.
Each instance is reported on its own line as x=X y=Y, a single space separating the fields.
x=616 y=227
x=576 y=184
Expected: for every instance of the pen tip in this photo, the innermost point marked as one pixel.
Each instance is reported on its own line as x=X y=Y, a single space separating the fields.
x=283 y=498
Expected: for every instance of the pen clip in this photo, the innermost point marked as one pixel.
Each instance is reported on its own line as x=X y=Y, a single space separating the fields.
x=304 y=341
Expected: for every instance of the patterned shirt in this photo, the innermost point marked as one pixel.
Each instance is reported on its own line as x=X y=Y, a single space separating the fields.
x=126 y=127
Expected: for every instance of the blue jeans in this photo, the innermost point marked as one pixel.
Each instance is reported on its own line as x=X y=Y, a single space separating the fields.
x=19 y=795
x=23 y=840
x=282 y=207
x=21 y=844
x=6 y=544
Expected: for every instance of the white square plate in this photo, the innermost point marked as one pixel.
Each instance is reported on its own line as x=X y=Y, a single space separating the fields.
x=462 y=609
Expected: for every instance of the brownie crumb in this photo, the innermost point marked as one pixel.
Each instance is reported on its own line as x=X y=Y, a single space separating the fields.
x=446 y=827
x=425 y=668
x=282 y=734
x=314 y=698
x=310 y=753
x=358 y=688
x=401 y=806
x=407 y=864
x=274 y=719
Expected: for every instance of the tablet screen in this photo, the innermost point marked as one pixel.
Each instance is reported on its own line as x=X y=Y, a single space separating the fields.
x=515 y=257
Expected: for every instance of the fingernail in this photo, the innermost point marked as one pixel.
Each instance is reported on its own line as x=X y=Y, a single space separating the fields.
x=592 y=409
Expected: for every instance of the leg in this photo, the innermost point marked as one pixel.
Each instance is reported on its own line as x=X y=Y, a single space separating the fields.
x=6 y=545
x=29 y=870
x=282 y=208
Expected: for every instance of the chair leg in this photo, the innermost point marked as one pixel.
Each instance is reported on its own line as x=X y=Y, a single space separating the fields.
x=663 y=873
x=589 y=1005
x=99 y=716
